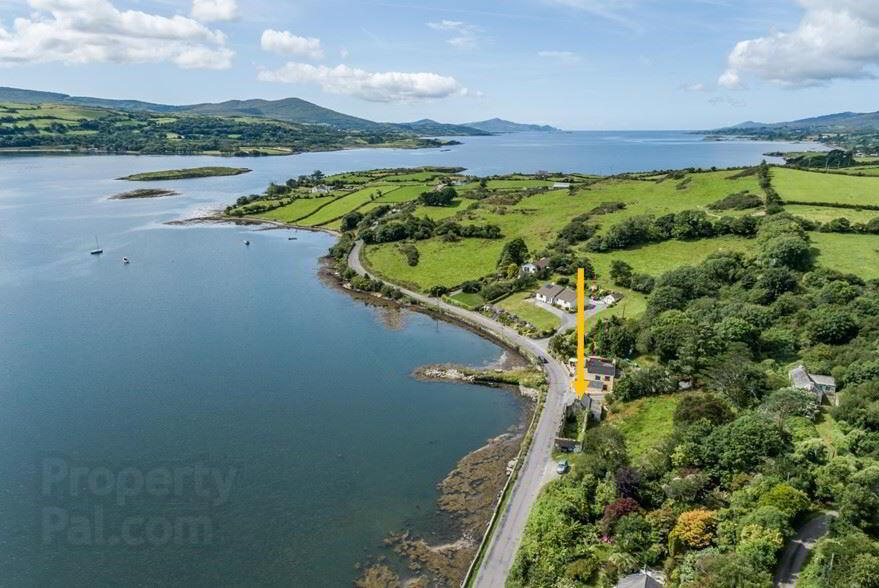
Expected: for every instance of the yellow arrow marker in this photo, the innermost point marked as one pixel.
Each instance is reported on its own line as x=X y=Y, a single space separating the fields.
x=580 y=375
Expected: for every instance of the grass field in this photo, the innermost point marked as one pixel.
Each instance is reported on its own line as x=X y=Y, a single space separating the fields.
x=298 y=209
x=644 y=422
x=468 y=299
x=520 y=304
x=806 y=186
x=344 y=205
x=856 y=254
x=825 y=214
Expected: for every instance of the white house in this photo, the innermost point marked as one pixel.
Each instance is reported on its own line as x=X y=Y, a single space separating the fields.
x=548 y=293
x=321 y=189
x=566 y=299
x=559 y=185
x=529 y=268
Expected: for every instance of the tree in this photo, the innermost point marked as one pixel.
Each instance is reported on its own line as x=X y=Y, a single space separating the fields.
x=735 y=376
x=669 y=331
x=442 y=197
x=787 y=499
x=744 y=443
x=621 y=273
x=695 y=407
x=515 y=251
x=759 y=546
x=832 y=326
x=351 y=220
x=789 y=402
x=693 y=530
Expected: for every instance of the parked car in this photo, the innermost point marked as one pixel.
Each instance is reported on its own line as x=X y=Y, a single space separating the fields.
x=562 y=467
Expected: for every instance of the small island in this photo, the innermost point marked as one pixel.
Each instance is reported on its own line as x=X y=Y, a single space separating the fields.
x=186 y=173
x=144 y=193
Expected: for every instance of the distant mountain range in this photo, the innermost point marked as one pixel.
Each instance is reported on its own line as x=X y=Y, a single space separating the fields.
x=840 y=122
x=293 y=110
x=499 y=125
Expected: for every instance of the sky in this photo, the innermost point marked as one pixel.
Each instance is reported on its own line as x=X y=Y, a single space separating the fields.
x=575 y=64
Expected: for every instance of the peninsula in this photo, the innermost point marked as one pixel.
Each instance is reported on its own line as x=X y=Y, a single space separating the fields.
x=736 y=308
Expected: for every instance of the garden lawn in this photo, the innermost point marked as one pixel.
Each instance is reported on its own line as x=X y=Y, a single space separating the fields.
x=804 y=186
x=856 y=254
x=522 y=305
x=645 y=422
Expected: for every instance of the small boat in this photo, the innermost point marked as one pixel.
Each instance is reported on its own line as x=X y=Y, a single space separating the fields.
x=97 y=250
x=126 y=261
x=291 y=238
x=246 y=242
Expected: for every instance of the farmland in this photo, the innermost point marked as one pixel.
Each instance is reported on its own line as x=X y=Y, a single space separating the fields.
x=528 y=207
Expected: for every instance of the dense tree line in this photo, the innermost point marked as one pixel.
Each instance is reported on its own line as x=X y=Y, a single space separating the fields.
x=720 y=495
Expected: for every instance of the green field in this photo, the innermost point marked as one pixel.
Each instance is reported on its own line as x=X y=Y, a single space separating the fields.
x=823 y=214
x=804 y=186
x=468 y=300
x=191 y=172
x=300 y=208
x=522 y=306
x=344 y=205
x=644 y=422
x=856 y=254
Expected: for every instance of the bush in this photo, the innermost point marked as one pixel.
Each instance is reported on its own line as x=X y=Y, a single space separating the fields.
x=832 y=326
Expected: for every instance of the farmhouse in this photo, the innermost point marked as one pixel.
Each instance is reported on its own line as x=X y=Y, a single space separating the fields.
x=558 y=185
x=529 y=268
x=601 y=372
x=548 y=293
x=822 y=386
x=321 y=189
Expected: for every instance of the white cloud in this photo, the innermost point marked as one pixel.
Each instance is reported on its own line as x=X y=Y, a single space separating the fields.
x=836 y=39
x=287 y=43
x=566 y=57
x=372 y=86
x=610 y=9
x=211 y=10
x=693 y=87
x=466 y=36
x=87 y=31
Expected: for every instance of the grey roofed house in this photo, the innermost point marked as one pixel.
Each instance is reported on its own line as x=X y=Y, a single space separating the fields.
x=566 y=298
x=640 y=580
x=600 y=367
x=548 y=293
x=821 y=385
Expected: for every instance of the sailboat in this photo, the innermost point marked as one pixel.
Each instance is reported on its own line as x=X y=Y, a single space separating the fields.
x=97 y=250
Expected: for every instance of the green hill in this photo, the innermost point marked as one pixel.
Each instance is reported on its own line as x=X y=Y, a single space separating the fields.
x=292 y=110
x=499 y=125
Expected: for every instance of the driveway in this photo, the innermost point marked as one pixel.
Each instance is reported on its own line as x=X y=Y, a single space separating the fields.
x=796 y=552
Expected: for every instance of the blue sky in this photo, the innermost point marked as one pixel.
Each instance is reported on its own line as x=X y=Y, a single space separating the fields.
x=577 y=64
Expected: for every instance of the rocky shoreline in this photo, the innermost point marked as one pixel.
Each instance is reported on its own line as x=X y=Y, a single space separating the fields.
x=144 y=193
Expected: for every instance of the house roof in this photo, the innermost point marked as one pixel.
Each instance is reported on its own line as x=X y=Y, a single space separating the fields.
x=601 y=366
x=640 y=580
x=567 y=295
x=823 y=380
x=550 y=290
x=542 y=262
x=799 y=377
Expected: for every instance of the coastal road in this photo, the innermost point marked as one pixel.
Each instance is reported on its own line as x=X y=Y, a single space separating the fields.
x=507 y=535
x=797 y=550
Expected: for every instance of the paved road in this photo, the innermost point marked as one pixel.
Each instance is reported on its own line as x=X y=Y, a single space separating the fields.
x=797 y=550
x=505 y=541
